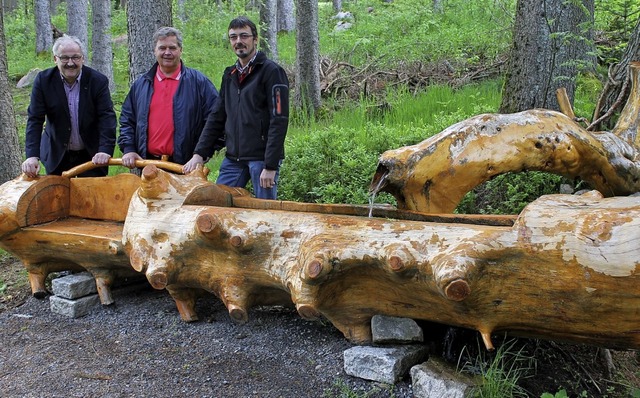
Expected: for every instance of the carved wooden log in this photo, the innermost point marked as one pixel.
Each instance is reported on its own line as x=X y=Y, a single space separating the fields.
x=434 y=175
x=565 y=270
x=52 y=223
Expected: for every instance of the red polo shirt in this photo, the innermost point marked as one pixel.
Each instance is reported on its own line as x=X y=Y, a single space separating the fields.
x=160 y=134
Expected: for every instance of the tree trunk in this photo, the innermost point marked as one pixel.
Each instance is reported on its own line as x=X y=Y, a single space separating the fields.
x=143 y=19
x=337 y=5
x=182 y=13
x=438 y=7
x=77 y=21
x=9 y=6
x=617 y=87
x=102 y=56
x=44 y=37
x=484 y=146
x=550 y=44
x=286 y=16
x=268 y=28
x=10 y=148
x=53 y=6
x=307 y=93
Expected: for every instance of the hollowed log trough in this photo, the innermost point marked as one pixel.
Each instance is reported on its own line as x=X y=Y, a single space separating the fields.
x=564 y=269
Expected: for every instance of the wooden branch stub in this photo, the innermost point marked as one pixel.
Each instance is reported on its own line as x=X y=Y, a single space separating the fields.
x=457 y=290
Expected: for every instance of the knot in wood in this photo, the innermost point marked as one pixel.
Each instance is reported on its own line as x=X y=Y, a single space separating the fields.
x=236 y=241
x=150 y=172
x=314 y=269
x=158 y=280
x=237 y=314
x=308 y=312
x=457 y=290
x=137 y=260
x=205 y=223
x=396 y=263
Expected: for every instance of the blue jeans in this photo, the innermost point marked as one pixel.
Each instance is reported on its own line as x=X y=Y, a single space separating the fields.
x=238 y=173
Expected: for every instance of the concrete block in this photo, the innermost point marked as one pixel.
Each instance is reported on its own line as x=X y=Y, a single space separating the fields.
x=73 y=308
x=383 y=364
x=74 y=286
x=394 y=330
x=437 y=379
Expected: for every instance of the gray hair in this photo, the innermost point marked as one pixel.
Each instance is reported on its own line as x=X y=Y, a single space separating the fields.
x=65 y=39
x=167 y=31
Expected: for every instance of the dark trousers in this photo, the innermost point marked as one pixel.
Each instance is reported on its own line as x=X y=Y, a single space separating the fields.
x=72 y=159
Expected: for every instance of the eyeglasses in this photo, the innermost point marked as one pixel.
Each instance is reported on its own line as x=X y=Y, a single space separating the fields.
x=241 y=36
x=66 y=58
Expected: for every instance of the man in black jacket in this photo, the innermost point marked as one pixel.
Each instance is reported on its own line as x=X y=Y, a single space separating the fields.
x=253 y=112
x=75 y=103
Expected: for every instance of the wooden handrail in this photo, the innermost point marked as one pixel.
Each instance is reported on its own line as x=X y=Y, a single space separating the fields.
x=169 y=166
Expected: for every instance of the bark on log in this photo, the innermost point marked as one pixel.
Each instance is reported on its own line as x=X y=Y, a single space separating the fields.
x=434 y=175
x=565 y=270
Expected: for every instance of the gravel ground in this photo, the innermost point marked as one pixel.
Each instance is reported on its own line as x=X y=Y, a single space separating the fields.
x=139 y=347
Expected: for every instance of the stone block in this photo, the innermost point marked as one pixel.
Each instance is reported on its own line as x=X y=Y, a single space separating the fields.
x=394 y=330
x=437 y=379
x=383 y=364
x=73 y=308
x=74 y=286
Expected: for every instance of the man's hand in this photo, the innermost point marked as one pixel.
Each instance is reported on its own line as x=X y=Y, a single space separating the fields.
x=192 y=163
x=101 y=159
x=129 y=159
x=268 y=178
x=31 y=166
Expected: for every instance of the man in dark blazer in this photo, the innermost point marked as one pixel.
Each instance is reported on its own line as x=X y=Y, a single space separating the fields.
x=73 y=104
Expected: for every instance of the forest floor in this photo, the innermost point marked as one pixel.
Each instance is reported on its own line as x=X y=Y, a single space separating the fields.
x=139 y=347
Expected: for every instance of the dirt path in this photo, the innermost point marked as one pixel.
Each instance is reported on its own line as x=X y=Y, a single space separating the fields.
x=141 y=348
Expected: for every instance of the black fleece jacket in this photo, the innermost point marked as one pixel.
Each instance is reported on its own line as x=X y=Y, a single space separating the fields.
x=254 y=114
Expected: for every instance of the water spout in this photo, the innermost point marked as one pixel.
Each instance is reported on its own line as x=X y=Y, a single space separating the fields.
x=382 y=179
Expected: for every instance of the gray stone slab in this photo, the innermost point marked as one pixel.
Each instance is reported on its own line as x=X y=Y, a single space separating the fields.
x=383 y=364
x=74 y=286
x=395 y=330
x=73 y=308
x=437 y=379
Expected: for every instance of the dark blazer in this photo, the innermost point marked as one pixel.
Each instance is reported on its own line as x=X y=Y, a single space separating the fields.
x=48 y=108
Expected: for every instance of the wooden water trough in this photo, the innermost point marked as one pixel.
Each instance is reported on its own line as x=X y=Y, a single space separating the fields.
x=563 y=269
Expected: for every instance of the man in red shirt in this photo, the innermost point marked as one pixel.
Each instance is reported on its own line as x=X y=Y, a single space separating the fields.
x=166 y=108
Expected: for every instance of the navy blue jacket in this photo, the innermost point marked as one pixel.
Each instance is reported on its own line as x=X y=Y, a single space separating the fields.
x=192 y=103
x=96 y=117
x=254 y=115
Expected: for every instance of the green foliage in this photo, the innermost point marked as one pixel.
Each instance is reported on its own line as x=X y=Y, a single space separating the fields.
x=332 y=161
x=509 y=193
x=588 y=88
x=615 y=20
x=562 y=393
x=406 y=31
x=500 y=371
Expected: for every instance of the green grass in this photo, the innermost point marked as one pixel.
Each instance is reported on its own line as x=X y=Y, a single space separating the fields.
x=500 y=370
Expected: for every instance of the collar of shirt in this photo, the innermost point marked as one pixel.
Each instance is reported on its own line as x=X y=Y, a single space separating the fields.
x=241 y=68
x=176 y=76
x=74 y=83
